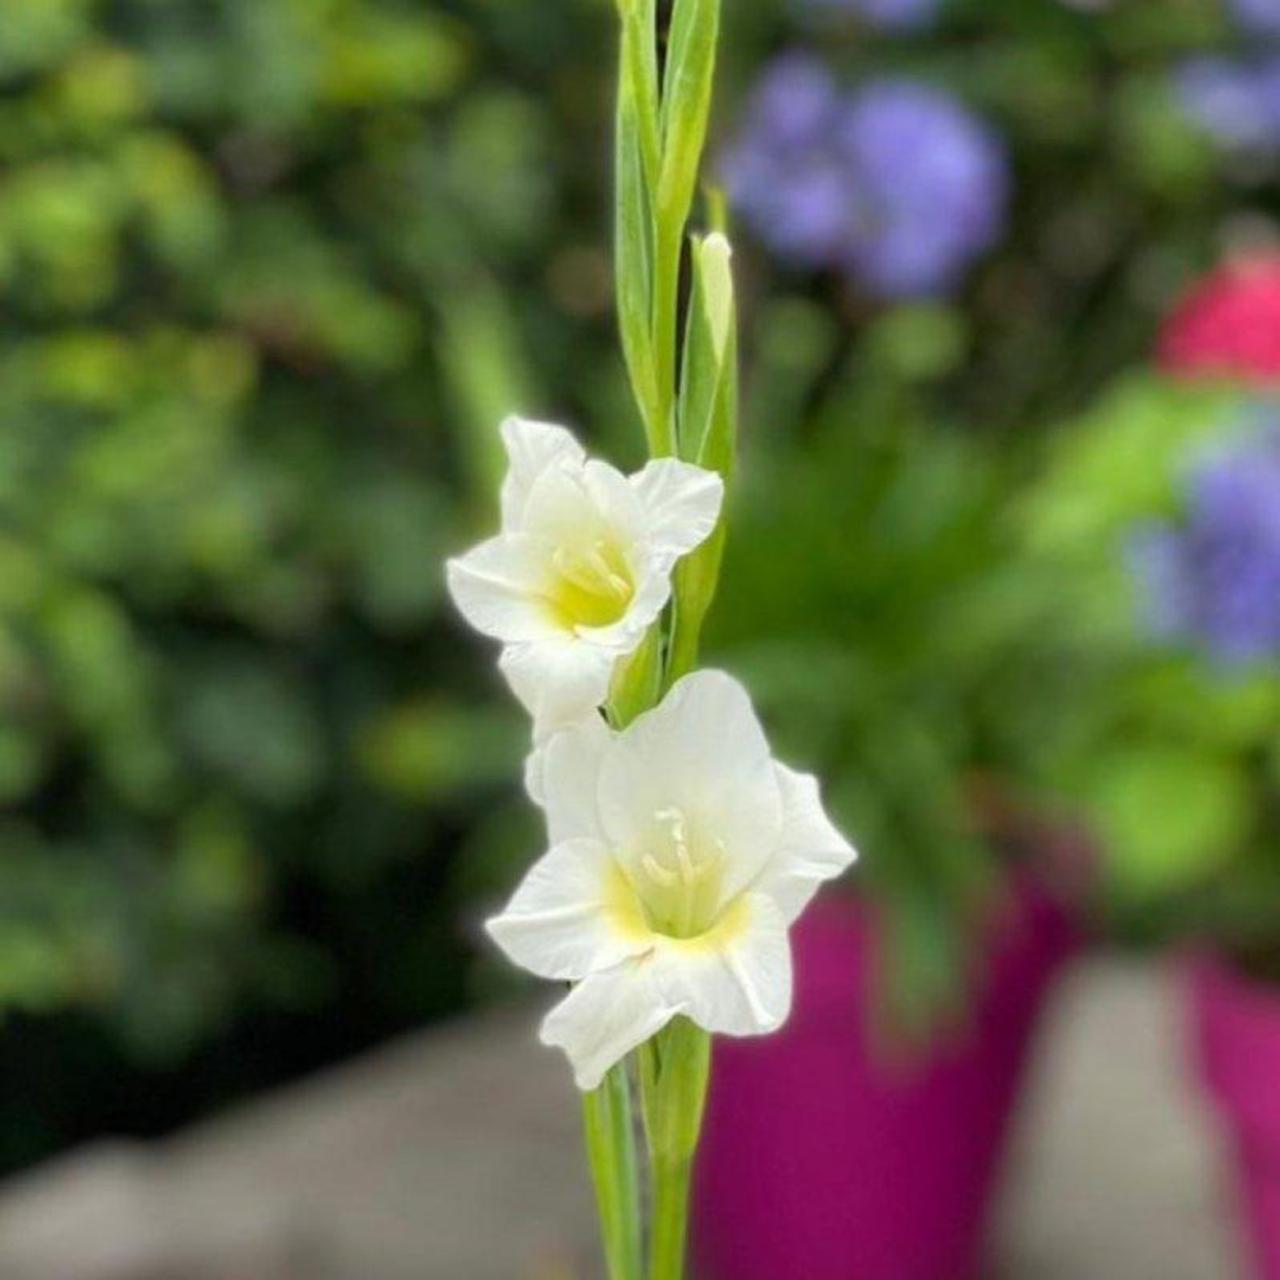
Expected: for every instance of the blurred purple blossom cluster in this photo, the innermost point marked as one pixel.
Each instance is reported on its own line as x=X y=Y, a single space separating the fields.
x=884 y=15
x=1258 y=17
x=1214 y=578
x=1236 y=100
x=896 y=184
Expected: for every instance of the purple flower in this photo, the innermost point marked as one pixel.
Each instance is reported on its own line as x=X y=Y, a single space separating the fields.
x=898 y=184
x=1260 y=17
x=784 y=173
x=1237 y=102
x=795 y=100
x=1214 y=578
x=935 y=184
x=887 y=15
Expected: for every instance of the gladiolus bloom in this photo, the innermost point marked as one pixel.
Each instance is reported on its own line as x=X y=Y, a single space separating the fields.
x=681 y=852
x=582 y=566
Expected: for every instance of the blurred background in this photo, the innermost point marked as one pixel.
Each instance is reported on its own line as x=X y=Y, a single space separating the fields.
x=1005 y=556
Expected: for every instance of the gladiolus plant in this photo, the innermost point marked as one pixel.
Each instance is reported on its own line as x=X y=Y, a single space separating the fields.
x=679 y=852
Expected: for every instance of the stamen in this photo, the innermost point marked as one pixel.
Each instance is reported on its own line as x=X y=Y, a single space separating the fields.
x=573 y=571
x=675 y=818
x=658 y=873
x=591 y=571
x=596 y=558
x=683 y=878
x=599 y=561
x=688 y=871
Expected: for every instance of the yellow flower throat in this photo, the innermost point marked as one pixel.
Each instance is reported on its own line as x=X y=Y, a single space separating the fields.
x=591 y=586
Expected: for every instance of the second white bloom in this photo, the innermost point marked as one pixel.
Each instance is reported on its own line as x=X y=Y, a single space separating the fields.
x=681 y=852
x=582 y=566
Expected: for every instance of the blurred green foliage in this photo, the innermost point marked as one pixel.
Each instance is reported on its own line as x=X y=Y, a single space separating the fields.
x=867 y=597
x=272 y=270
x=1168 y=756
x=229 y=234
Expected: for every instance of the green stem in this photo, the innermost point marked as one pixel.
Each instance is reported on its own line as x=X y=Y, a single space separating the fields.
x=669 y=235
x=675 y=1070
x=610 y=1136
x=670 y=1219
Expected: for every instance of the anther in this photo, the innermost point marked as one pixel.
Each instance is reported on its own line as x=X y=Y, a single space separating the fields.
x=658 y=873
x=599 y=561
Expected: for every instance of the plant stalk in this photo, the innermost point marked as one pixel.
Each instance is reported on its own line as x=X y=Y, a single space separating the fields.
x=610 y=1138
x=675 y=1072
x=666 y=306
x=670 y=1219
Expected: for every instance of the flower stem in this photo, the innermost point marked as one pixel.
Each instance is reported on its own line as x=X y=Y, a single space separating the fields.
x=676 y=1066
x=610 y=1136
x=670 y=1219
x=668 y=235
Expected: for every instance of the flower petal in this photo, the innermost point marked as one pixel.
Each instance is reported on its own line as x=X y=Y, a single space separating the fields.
x=702 y=752
x=564 y=921
x=563 y=776
x=606 y=1016
x=561 y=508
x=810 y=851
x=615 y=497
x=532 y=447
x=682 y=503
x=558 y=681
x=736 y=980
x=499 y=587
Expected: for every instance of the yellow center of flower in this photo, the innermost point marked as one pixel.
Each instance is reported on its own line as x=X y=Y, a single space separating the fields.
x=678 y=881
x=591 y=585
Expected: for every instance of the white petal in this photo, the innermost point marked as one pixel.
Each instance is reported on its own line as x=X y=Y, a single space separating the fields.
x=810 y=851
x=558 y=680
x=499 y=587
x=737 y=979
x=561 y=508
x=605 y=1017
x=566 y=776
x=564 y=921
x=532 y=447
x=682 y=503
x=703 y=752
x=615 y=497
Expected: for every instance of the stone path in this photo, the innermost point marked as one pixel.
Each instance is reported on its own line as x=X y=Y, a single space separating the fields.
x=454 y=1156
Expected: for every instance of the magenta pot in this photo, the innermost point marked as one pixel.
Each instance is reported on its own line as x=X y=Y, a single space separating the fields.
x=824 y=1159
x=1236 y=1022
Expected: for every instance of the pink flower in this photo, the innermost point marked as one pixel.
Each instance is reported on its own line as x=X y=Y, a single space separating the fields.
x=1228 y=325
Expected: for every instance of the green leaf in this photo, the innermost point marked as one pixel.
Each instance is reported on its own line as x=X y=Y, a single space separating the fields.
x=1166 y=816
x=638 y=679
x=426 y=751
x=703 y=364
x=487 y=374
x=686 y=103
x=708 y=416
x=640 y=75
x=1120 y=463
x=696 y=578
x=633 y=230
x=1198 y=702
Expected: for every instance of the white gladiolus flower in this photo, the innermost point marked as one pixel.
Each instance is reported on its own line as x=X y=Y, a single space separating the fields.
x=582 y=566
x=681 y=852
